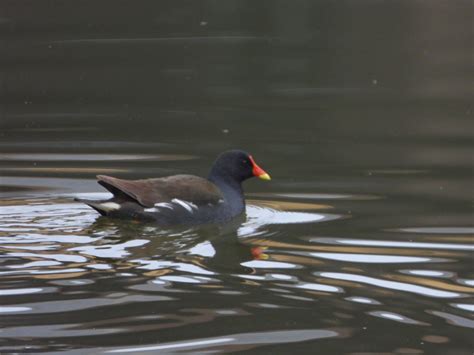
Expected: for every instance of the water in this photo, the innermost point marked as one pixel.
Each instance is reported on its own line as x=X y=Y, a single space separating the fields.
x=362 y=115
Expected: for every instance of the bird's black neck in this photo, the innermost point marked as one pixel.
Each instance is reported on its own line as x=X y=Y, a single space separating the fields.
x=231 y=190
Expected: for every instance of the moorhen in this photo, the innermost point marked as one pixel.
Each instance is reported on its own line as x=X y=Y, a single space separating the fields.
x=182 y=199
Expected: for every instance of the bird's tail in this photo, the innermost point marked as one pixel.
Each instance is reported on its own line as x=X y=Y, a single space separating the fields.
x=101 y=206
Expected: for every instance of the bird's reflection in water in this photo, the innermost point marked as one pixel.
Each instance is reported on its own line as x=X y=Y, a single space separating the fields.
x=211 y=249
x=204 y=249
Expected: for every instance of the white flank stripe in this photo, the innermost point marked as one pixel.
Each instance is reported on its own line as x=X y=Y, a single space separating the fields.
x=164 y=205
x=110 y=206
x=187 y=205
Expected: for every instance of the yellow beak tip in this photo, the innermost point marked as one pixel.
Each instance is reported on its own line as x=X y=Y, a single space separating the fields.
x=265 y=177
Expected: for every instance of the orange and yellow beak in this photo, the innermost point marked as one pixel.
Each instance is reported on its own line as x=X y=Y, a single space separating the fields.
x=258 y=171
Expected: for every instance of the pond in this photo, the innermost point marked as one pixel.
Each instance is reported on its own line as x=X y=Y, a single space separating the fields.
x=362 y=242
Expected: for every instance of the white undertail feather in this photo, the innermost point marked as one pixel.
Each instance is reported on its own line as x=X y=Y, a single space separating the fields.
x=153 y=209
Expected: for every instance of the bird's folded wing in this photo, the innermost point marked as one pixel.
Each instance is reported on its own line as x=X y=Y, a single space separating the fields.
x=148 y=192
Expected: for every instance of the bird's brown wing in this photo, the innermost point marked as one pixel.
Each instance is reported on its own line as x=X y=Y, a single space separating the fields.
x=147 y=192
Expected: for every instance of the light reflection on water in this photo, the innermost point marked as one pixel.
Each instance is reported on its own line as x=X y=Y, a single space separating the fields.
x=274 y=337
x=63 y=245
x=361 y=243
x=395 y=244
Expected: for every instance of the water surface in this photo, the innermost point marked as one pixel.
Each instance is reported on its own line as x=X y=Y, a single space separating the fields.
x=362 y=114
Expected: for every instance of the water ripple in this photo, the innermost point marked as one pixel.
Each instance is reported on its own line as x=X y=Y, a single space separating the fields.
x=164 y=40
x=454 y=319
x=393 y=244
x=58 y=257
x=59 y=306
x=256 y=338
x=90 y=157
x=372 y=259
x=399 y=286
x=258 y=217
x=395 y=317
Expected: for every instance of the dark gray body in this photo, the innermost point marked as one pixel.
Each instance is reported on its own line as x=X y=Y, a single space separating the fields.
x=180 y=199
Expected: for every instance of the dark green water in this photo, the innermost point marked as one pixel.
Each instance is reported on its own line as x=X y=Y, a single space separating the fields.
x=361 y=111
